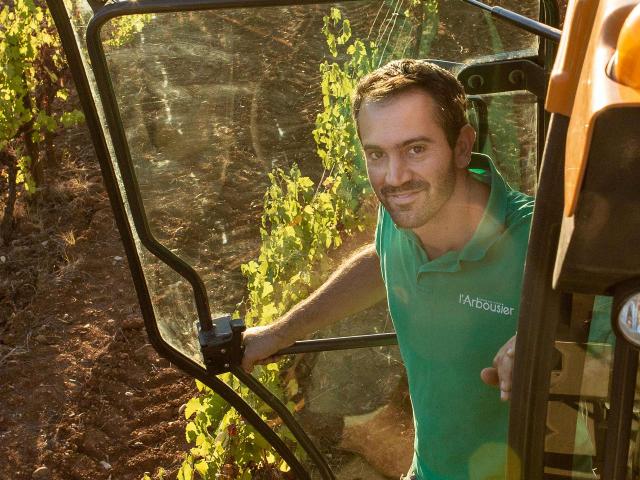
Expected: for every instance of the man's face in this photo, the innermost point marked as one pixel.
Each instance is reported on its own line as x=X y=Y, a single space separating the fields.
x=409 y=161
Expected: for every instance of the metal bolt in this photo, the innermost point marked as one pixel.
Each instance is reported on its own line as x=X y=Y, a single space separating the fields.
x=516 y=77
x=475 y=81
x=223 y=351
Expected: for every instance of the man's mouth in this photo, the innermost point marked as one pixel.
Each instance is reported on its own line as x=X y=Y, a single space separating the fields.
x=403 y=197
x=405 y=194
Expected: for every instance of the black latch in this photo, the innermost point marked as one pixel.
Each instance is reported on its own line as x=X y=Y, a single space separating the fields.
x=222 y=345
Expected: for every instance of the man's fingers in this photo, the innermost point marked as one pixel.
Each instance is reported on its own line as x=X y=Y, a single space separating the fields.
x=505 y=372
x=502 y=371
x=490 y=376
x=247 y=366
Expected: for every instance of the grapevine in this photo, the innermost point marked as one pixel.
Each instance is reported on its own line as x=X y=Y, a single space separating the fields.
x=33 y=101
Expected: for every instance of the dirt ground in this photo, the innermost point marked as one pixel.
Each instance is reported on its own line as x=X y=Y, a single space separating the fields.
x=82 y=392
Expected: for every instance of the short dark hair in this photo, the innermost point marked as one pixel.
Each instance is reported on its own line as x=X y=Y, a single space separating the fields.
x=399 y=76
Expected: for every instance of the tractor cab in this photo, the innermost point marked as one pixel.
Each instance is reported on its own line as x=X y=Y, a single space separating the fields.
x=224 y=135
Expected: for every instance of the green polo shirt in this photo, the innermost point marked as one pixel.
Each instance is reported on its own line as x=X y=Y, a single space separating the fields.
x=452 y=315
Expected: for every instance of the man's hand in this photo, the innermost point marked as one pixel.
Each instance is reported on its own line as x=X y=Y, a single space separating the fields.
x=501 y=372
x=260 y=345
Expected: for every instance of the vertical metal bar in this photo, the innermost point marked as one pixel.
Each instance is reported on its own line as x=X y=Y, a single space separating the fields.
x=540 y=312
x=625 y=369
x=549 y=15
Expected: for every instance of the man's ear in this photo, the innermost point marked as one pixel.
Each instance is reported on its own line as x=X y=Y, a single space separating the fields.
x=464 y=146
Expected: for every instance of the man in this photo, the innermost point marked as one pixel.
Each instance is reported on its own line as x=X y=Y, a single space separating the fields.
x=449 y=254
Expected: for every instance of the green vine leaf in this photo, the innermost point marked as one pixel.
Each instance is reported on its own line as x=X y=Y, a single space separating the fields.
x=192 y=407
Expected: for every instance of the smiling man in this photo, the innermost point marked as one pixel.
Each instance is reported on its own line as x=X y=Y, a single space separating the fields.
x=448 y=255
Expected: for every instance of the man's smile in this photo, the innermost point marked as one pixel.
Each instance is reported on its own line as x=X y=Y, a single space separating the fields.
x=404 y=197
x=404 y=194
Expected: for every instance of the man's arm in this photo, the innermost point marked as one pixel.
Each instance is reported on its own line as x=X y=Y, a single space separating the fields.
x=355 y=286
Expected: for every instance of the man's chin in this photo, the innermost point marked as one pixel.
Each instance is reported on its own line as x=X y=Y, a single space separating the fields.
x=406 y=219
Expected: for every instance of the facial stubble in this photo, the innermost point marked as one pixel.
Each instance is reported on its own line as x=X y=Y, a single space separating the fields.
x=432 y=198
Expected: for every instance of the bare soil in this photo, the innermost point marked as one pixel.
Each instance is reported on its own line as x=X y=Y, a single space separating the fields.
x=82 y=392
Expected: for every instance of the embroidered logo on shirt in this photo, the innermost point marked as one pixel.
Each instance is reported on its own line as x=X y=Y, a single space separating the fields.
x=484 y=304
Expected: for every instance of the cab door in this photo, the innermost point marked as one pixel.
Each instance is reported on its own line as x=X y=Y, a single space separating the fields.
x=224 y=135
x=574 y=412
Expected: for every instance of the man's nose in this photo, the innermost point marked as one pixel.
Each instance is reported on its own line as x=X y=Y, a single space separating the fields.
x=397 y=171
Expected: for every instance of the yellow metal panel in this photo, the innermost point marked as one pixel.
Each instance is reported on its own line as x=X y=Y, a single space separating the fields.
x=596 y=92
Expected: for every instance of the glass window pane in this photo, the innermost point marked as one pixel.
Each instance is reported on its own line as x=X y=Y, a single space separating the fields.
x=360 y=418
x=580 y=389
x=213 y=103
x=171 y=297
x=511 y=138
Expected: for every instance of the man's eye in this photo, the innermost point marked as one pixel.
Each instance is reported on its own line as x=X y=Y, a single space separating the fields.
x=374 y=156
x=416 y=149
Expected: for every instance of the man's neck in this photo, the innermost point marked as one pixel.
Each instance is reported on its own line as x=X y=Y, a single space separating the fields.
x=455 y=224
